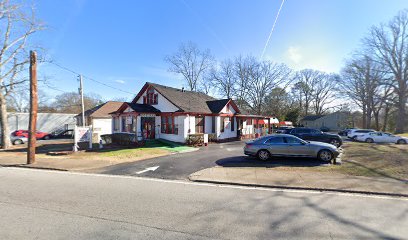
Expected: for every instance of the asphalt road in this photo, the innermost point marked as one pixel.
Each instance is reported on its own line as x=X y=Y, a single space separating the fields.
x=180 y=166
x=38 y=204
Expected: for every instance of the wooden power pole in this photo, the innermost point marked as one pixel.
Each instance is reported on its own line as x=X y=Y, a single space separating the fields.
x=33 y=108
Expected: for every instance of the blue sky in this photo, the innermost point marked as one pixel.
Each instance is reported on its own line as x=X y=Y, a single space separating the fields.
x=123 y=43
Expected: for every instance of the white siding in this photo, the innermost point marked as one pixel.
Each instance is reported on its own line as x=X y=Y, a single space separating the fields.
x=208 y=124
x=102 y=125
x=227 y=130
x=180 y=137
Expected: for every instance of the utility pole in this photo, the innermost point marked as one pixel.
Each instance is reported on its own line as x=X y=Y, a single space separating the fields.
x=81 y=91
x=33 y=108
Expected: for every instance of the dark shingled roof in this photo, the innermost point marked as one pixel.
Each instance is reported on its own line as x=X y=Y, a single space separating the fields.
x=143 y=108
x=187 y=101
x=217 y=105
x=103 y=110
x=312 y=117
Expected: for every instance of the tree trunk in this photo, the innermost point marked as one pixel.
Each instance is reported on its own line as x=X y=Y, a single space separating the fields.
x=377 y=120
x=369 y=117
x=386 y=113
x=364 y=117
x=401 y=114
x=5 y=138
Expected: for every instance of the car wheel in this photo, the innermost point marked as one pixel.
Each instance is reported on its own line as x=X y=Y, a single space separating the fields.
x=18 y=142
x=263 y=155
x=335 y=142
x=369 y=140
x=401 y=141
x=47 y=137
x=325 y=155
x=353 y=138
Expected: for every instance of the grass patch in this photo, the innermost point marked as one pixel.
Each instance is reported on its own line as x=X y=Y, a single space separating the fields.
x=403 y=134
x=373 y=160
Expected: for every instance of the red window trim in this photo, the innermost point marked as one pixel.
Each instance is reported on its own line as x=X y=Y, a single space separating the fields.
x=165 y=125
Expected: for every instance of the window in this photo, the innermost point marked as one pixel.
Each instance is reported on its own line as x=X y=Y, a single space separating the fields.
x=249 y=122
x=151 y=97
x=116 y=123
x=232 y=124
x=274 y=140
x=199 y=124
x=222 y=124
x=123 y=124
x=168 y=125
x=213 y=124
x=303 y=130
x=292 y=140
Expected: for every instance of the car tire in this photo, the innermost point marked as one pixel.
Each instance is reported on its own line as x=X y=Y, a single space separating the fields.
x=325 y=155
x=335 y=142
x=263 y=155
x=401 y=141
x=18 y=142
x=369 y=140
x=46 y=137
x=353 y=138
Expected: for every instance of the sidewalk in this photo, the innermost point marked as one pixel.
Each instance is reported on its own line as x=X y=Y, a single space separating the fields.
x=255 y=176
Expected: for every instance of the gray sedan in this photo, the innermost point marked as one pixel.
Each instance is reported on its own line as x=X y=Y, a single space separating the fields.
x=289 y=146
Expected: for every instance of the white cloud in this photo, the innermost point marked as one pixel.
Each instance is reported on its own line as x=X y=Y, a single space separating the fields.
x=294 y=55
x=120 y=81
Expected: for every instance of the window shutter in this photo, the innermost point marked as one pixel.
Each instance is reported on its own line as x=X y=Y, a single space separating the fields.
x=232 y=124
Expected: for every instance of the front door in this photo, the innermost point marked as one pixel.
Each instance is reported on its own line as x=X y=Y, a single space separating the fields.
x=148 y=127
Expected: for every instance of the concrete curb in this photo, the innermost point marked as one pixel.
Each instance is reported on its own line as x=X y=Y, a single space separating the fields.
x=34 y=167
x=304 y=188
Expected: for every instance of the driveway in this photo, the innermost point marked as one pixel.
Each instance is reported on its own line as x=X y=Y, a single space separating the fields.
x=180 y=166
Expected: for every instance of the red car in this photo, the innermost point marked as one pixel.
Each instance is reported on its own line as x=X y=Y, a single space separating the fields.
x=38 y=134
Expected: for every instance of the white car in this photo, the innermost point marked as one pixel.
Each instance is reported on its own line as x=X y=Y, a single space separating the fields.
x=354 y=133
x=18 y=140
x=381 y=137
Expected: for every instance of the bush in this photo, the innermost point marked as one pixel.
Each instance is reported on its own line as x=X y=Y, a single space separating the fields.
x=212 y=137
x=124 y=139
x=195 y=139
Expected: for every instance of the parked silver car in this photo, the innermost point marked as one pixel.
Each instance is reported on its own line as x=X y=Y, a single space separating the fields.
x=289 y=146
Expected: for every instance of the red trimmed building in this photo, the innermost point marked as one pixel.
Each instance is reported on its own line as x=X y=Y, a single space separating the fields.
x=159 y=111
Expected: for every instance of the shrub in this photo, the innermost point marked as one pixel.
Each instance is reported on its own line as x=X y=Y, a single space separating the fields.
x=195 y=139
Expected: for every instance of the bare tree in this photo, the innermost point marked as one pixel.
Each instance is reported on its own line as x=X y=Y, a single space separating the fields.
x=365 y=83
x=17 y=25
x=324 y=93
x=265 y=76
x=224 y=79
x=242 y=67
x=190 y=62
x=305 y=87
x=389 y=44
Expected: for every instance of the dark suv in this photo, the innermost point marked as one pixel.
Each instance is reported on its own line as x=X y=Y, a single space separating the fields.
x=310 y=134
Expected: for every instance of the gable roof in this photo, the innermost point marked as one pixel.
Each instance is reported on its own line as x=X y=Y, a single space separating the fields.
x=217 y=105
x=143 y=108
x=140 y=108
x=103 y=110
x=186 y=101
x=311 y=117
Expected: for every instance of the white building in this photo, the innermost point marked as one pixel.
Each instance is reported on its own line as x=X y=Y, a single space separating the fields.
x=169 y=113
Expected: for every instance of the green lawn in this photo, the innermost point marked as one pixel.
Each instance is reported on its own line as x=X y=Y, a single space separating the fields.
x=403 y=134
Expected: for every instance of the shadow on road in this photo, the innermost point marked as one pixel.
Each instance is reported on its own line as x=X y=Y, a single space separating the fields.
x=243 y=161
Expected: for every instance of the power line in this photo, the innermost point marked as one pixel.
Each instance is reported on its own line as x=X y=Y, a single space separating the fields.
x=89 y=78
x=273 y=27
